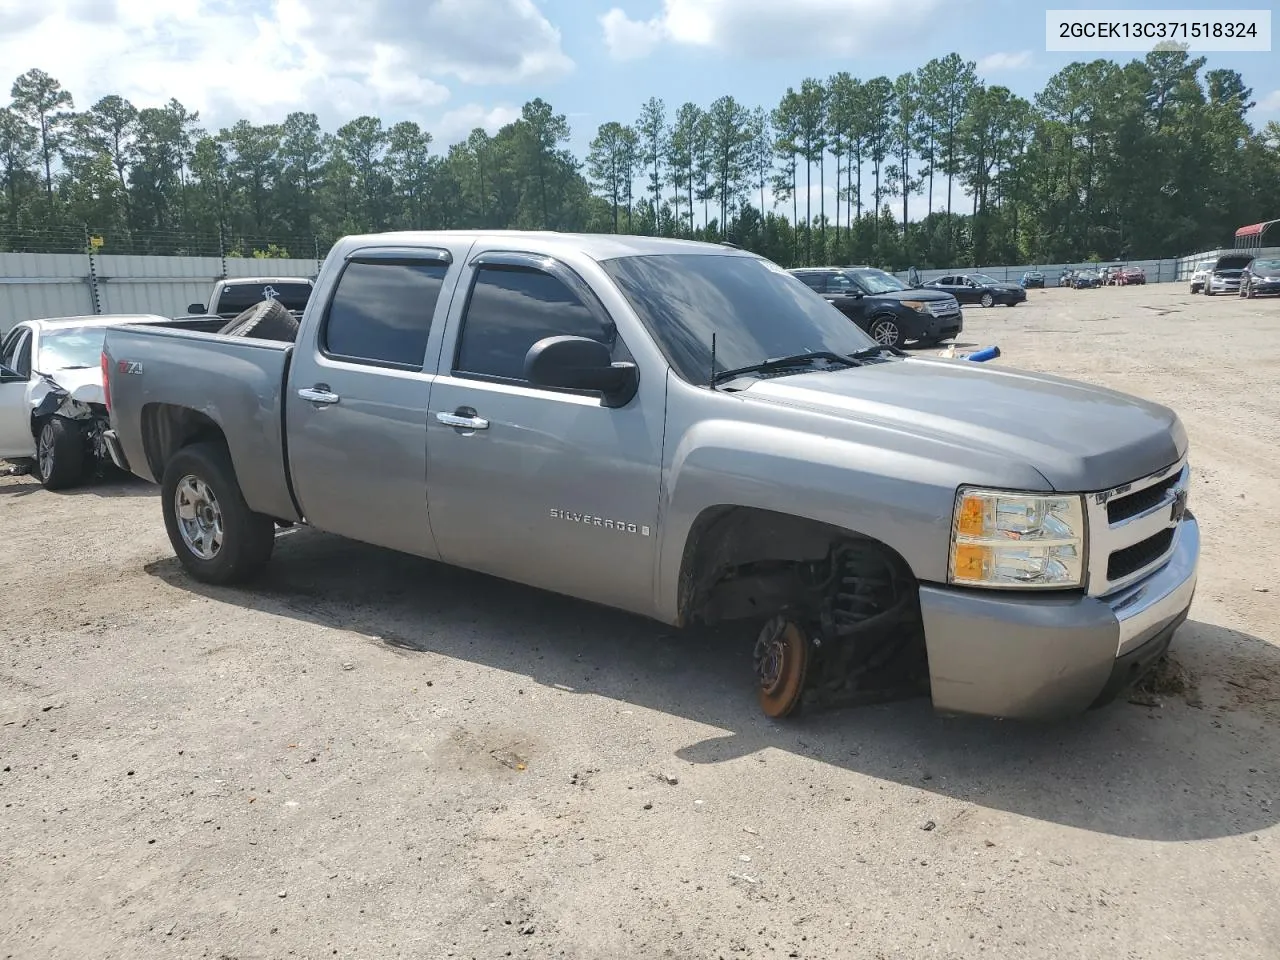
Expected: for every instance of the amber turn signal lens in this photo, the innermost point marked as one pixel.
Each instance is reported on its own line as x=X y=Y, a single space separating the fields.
x=972 y=520
x=971 y=561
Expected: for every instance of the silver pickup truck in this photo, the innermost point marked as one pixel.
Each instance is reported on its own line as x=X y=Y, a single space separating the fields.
x=684 y=431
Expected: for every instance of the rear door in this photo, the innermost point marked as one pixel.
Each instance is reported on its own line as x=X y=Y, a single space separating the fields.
x=16 y=441
x=357 y=399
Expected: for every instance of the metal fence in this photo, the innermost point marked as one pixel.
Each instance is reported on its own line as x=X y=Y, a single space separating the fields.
x=34 y=285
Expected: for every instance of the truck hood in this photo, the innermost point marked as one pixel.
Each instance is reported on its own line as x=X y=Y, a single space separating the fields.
x=1078 y=437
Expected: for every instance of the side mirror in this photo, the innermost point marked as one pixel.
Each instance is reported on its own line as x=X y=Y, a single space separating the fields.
x=196 y=308
x=579 y=363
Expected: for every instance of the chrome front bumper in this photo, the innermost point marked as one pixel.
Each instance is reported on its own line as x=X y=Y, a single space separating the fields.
x=996 y=653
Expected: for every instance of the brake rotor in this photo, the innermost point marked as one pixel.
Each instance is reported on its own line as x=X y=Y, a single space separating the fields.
x=781 y=660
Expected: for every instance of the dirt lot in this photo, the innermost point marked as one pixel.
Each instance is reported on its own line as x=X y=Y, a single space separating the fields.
x=372 y=756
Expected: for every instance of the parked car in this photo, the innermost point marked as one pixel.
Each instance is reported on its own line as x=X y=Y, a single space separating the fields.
x=52 y=408
x=883 y=306
x=1129 y=276
x=1200 y=275
x=683 y=431
x=1226 y=273
x=234 y=295
x=979 y=288
x=1064 y=279
x=1032 y=278
x=1084 y=279
x=1261 y=278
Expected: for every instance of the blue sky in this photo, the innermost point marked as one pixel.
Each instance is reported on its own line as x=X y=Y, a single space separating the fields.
x=456 y=64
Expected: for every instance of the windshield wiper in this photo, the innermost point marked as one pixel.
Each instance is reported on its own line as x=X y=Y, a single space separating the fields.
x=782 y=363
x=870 y=353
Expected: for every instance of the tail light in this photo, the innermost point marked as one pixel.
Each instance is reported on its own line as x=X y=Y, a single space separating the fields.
x=106 y=382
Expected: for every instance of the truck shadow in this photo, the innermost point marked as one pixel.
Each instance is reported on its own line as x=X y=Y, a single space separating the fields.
x=1175 y=773
x=114 y=486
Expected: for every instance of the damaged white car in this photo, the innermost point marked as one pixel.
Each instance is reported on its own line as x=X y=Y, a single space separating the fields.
x=52 y=406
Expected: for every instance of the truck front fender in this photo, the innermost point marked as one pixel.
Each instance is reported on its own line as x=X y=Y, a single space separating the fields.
x=902 y=500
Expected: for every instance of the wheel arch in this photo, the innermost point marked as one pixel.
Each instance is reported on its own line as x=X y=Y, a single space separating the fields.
x=726 y=537
x=168 y=427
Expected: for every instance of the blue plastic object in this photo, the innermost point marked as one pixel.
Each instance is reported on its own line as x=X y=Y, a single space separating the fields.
x=986 y=353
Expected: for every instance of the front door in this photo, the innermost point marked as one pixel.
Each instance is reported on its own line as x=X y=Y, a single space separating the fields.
x=357 y=407
x=546 y=487
x=847 y=297
x=16 y=441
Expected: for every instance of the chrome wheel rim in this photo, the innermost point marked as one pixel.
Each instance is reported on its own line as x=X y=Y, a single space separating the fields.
x=199 y=517
x=45 y=454
x=987 y=300
x=885 y=332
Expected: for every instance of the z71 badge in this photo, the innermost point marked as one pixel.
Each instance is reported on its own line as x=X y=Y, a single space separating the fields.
x=603 y=523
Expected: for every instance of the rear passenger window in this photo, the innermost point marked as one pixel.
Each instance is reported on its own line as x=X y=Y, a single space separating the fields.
x=381 y=312
x=511 y=309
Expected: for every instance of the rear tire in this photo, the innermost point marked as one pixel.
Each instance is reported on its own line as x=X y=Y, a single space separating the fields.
x=60 y=454
x=268 y=320
x=214 y=534
x=988 y=300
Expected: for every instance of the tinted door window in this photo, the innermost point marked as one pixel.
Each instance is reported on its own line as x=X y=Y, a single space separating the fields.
x=381 y=312
x=511 y=309
x=10 y=348
x=817 y=281
x=21 y=362
x=839 y=283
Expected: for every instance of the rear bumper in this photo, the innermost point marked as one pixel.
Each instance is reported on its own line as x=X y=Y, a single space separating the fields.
x=996 y=654
x=111 y=440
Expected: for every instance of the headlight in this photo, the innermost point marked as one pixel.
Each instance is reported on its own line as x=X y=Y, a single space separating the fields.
x=1024 y=540
x=919 y=306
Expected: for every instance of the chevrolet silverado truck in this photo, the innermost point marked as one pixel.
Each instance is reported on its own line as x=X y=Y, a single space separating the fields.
x=687 y=432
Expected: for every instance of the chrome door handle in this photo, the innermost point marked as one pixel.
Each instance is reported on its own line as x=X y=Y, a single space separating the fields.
x=318 y=394
x=464 y=423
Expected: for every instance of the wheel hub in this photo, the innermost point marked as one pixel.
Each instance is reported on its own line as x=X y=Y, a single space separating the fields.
x=781 y=661
x=199 y=517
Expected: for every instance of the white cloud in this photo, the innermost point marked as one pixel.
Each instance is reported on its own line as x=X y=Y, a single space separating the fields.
x=456 y=124
x=1270 y=103
x=630 y=39
x=1004 y=61
x=260 y=59
x=767 y=29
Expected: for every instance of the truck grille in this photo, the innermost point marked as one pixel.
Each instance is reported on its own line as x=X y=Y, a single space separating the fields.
x=1133 y=528
x=1124 y=507
x=1129 y=560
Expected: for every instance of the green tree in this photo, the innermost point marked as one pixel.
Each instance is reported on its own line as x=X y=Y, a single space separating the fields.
x=41 y=100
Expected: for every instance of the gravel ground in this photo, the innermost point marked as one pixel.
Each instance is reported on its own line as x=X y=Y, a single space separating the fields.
x=372 y=756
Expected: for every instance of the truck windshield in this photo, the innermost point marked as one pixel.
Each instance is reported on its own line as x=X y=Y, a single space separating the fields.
x=756 y=310
x=70 y=348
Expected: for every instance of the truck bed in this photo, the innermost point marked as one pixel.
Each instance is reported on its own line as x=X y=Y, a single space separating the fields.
x=166 y=382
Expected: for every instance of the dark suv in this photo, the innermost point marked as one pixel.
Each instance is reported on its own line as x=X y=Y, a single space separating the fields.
x=884 y=306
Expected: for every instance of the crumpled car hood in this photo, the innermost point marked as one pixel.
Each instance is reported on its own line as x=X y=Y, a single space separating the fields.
x=1077 y=436
x=85 y=386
